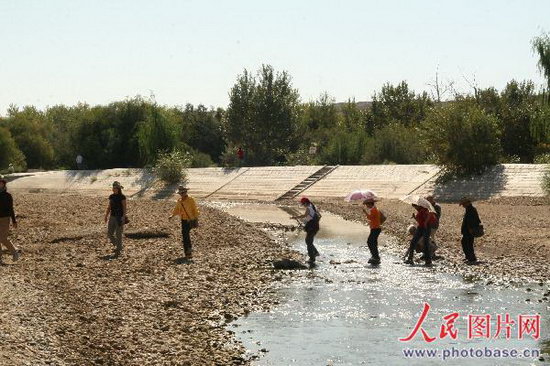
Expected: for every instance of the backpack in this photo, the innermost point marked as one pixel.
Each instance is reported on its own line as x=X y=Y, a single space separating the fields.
x=383 y=217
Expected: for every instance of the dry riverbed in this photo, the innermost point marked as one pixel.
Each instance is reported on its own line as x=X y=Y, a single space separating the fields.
x=66 y=303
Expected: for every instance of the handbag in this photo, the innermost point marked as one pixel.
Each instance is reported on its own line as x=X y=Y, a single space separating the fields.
x=478 y=231
x=193 y=223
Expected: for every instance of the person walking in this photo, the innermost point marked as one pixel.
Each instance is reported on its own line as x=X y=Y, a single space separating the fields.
x=116 y=217
x=187 y=210
x=374 y=220
x=470 y=222
x=422 y=218
x=311 y=220
x=7 y=213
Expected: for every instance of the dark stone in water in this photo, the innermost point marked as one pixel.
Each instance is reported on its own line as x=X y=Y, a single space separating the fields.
x=288 y=264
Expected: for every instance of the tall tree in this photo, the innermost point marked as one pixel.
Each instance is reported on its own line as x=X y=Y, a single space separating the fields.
x=541 y=46
x=263 y=115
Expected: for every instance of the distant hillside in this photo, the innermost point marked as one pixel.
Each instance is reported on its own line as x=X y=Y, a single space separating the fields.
x=361 y=105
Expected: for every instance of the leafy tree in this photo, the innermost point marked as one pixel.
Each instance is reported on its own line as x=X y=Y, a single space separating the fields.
x=262 y=116
x=11 y=155
x=202 y=130
x=157 y=133
x=397 y=103
x=396 y=144
x=541 y=46
x=32 y=133
x=462 y=137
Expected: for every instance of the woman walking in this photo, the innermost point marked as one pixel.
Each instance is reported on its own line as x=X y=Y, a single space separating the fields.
x=118 y=217
x=374 y=220
x=311 y=219
x=470 y=222
x=187 y=210
x=423 y=228
x=6 y=214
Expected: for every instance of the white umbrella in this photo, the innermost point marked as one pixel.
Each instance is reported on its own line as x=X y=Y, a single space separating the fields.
x=415 y=199
x=361 y=195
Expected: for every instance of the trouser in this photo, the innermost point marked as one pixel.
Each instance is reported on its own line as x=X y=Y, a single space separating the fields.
x=424 y=233
x=186 y=238
x=468 y=246
x=372 y=242
x=312 y=227
x=4 y=231
x=114 y=232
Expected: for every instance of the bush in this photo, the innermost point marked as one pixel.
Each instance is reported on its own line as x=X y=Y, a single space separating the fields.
x=171 y=167
x=542 y=159
x=200 y=160
x=463 y=139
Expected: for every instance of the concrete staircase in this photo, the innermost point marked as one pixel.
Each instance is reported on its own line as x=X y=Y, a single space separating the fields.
x=308 y=182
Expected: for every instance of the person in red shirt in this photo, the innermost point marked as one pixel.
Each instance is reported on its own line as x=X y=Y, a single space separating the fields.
x=240 y=156
x=424 y=221
x=374 y=219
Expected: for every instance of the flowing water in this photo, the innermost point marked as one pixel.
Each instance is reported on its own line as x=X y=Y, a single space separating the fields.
x=345 y=312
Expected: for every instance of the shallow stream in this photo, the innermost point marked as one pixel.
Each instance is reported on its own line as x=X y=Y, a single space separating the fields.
x=345 y=312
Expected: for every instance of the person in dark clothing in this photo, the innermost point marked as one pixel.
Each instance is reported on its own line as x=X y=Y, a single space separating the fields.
x=7 y=213
x=117 y=218
x=469 y=223
x=423 y=229
x=311 y=219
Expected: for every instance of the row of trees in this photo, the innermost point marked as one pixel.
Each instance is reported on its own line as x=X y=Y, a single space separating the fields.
x=267 y=119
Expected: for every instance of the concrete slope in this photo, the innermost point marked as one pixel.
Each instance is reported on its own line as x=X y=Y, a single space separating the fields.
x=265 y=183
x=500 y=180
x=389 y=181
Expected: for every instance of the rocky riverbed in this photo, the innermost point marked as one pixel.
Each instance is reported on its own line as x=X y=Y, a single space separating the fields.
x=68 y=302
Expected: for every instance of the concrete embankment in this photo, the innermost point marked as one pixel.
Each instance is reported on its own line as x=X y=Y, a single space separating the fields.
x=269 y=183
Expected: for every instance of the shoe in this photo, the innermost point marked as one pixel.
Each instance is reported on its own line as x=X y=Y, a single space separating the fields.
x=311 y=260
x=371 y=260
x=428 y=263
x=375 y=262
x=471 y=262
x=16 y=255
x=409 y=261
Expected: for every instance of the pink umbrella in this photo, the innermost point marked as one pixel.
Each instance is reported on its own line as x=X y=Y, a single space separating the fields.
x=361 y=195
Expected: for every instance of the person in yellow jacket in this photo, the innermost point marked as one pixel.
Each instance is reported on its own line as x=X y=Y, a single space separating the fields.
x=187 y=210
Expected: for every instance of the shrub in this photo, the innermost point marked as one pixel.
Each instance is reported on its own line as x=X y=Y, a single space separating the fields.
x=463 y=139
x=171 y=167
x=542 y=159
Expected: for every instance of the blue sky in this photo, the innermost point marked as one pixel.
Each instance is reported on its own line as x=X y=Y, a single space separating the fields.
x=60 y=51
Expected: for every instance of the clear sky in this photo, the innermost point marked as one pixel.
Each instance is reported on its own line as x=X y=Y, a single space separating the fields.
x=97 y=51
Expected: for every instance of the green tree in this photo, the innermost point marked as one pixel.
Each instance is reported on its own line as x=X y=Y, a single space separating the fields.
x=11 y=155
x=462 y=137
x=541 y=46
x=32 y=132
x=262 y=116
x=396 y=144
x=397 y=104
x=159 y=132
x=202 y=130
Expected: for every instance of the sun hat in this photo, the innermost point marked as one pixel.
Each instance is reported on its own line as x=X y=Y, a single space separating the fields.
x=304 y=200
x=182 y=189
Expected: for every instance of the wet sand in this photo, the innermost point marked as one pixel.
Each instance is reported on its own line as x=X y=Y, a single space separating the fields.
x=516 y=246
x=66 y=303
